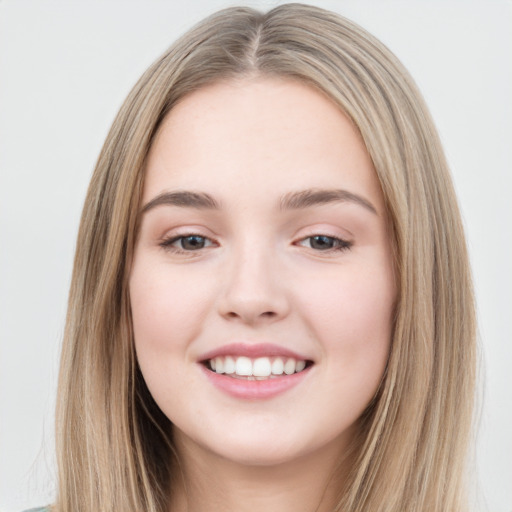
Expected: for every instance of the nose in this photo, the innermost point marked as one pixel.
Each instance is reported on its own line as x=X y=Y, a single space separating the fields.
x=254 y=291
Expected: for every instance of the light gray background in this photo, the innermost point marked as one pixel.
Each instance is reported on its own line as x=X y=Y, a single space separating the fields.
x=66 y=66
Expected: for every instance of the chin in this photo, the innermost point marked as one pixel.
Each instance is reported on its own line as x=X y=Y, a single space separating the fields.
x=261 y=456
x=264 y=447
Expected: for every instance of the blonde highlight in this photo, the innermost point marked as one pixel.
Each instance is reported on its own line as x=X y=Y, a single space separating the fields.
x=114 y=444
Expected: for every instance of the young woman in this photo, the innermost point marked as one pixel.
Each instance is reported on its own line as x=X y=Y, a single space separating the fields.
x=271 y=305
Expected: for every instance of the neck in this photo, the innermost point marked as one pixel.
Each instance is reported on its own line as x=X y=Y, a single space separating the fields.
x=205 y=482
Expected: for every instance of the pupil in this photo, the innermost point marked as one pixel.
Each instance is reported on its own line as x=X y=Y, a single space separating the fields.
x=192 y=242
x=322 y=242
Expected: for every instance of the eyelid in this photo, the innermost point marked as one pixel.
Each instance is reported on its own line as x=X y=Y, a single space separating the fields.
x=185 y=230
x=342 y=243
x=173 y=239
x=324 y=229
x=344 y=239
x=167 y=241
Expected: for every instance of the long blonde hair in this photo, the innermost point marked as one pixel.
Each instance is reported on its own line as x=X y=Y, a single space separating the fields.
x=114 y=445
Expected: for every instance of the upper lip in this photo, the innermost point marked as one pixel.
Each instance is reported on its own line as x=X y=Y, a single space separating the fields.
x=252 y=351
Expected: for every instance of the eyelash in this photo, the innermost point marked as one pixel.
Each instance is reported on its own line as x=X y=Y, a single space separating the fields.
x=340 y=244
x=167 y=244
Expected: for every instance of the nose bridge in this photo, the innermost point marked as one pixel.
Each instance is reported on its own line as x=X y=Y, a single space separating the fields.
x=253 y=290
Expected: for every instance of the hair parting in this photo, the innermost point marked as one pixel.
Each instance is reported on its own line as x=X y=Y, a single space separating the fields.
x=114 y=444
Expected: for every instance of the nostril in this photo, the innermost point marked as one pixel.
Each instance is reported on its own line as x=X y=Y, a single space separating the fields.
x=266 y=314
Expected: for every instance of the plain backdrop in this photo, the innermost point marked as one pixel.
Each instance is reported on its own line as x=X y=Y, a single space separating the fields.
x=65 y=68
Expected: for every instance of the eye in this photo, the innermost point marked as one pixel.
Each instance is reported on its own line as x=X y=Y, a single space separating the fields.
x=186 y=243
x=325 y=243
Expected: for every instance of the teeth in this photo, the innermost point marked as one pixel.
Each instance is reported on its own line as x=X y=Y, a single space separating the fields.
x=229 y=365
x=219 y=364
x=300 y=365
x=289 y=366
x=277 y=366
x=243 y=366
x=260 y=368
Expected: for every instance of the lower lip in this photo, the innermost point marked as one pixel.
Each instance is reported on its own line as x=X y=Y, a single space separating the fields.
x=254 y=389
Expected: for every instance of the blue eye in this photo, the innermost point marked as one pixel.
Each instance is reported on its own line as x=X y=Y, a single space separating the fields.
x=187 y=243
x=192 y=242
x=326 y=243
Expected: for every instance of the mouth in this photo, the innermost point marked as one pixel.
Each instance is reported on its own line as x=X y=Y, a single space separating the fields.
x=258 y=371
x=258 y=368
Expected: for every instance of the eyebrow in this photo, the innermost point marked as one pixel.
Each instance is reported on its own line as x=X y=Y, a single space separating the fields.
x=298 y=200
x=314 y=197
x=185 y=199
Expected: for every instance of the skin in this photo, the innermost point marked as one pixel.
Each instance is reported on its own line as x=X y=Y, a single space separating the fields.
x=260 y=278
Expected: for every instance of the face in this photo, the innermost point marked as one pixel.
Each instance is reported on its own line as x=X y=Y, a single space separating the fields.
x=262 y=287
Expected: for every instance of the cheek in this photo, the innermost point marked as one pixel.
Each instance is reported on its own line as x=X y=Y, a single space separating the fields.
x=351 y=314
x=167 y=308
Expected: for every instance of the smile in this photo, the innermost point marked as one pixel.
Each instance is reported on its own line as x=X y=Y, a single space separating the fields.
x=255 y=371
x=261 y=368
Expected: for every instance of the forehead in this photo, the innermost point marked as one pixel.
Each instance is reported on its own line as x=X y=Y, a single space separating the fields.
x=260 y=133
